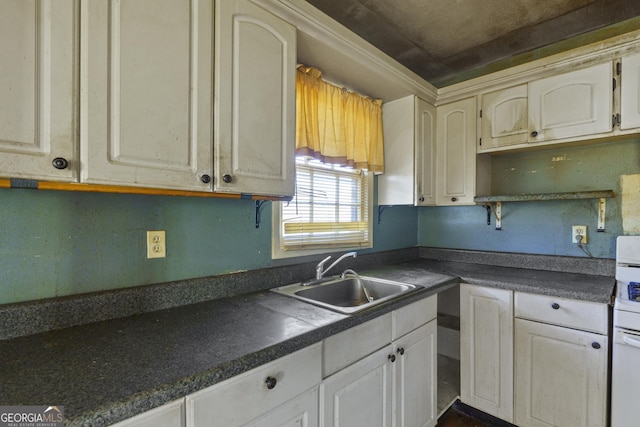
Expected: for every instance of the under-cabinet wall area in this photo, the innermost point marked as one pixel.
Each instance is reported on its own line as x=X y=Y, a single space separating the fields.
x=57 y=243
x=541 y=227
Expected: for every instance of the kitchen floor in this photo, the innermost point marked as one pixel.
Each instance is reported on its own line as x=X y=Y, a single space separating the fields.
x=454 y=418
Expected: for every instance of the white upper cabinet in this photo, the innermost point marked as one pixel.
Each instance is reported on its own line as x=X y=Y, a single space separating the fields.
x=456 y=152
x=630 y=92
x=409 y=157
x=146 y=93
x=38 y=43
x=504 y=118
x=572 y=104
x=255 y=55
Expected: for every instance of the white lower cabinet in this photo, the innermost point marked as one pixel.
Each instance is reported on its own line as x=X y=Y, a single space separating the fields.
x=168 y=415
x=554 y=373
x=359 y=395
x=560 y=372
x=395 y=383
x=560 y=377
x=416 y=378
x=486 y=349
x=279 y=393
x=300 y=412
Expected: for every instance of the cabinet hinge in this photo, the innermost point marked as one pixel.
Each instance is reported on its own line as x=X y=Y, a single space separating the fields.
x=615 y=83
x=481 y=142
x=616 y=120
x=480 y=113
x=618 y=68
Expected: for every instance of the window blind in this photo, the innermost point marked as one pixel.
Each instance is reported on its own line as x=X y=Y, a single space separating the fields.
x=330 y=208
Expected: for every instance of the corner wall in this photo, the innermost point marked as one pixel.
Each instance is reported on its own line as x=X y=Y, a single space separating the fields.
x=540 y=227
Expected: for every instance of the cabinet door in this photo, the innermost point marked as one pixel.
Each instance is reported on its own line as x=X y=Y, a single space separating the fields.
x=409 y=155
x=396 y=185
x=630 y=92
x=504 y=118
x=38 y=41
x=255 y=100
x=146 y=92
x=571 y=104
x=300 y=412
x=486 y=349
x=425 y=149
x=416 y=378
x=456 y=152
x=359 y=395
x=560 y=376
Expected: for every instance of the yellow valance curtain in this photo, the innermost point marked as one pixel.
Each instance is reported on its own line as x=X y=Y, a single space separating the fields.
x=337 y=126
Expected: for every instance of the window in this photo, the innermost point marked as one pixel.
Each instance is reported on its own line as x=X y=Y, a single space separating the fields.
x=331 y=210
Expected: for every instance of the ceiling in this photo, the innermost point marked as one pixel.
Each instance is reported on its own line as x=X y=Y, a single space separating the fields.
x=448 y=41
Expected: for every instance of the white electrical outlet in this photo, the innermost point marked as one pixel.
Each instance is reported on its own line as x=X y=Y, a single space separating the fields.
x=156 y=244
x=579 y=234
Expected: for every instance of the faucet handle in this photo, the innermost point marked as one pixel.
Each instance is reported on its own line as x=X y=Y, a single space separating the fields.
x=321 y=263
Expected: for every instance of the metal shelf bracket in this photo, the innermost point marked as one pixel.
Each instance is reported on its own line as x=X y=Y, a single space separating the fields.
x=259 y=207
x=602 y=208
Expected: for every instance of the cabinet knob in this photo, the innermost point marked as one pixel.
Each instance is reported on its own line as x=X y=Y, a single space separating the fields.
x=401 y=351
x=271 y=382
x=227 y=178
x=60 y=163
x=555 y=306
x=421 y=199
x=595 y=345
x=392 y=357
x=454 y=199
x=534 y=133
x=205 y=178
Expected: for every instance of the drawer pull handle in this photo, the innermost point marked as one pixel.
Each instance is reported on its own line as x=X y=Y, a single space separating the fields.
x=271 y=382
x=401 y=351
x=595 y=345
x=392 y=357
x=555 y=306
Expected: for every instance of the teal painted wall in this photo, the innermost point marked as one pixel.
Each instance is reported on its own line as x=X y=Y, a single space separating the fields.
x=62 y=243
x=540 y=227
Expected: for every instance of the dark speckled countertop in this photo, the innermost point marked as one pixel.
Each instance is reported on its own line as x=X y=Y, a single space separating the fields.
x=106 y=371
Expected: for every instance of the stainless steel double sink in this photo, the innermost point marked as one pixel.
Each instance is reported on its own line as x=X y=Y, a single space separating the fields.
x=347 y=295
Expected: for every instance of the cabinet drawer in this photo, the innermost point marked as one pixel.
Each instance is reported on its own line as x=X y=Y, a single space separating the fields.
x=343 y=349
x=414 y=315
x=585 y=315
x=168 y=415
x=245 y=397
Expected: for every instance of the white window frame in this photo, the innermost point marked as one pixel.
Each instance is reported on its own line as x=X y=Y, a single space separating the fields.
x=278 y=252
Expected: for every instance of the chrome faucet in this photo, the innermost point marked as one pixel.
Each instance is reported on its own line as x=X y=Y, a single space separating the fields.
x=320 y=267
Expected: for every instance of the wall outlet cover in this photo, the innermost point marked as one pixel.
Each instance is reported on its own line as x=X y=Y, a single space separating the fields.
x=579 y=234
x=156 y=244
